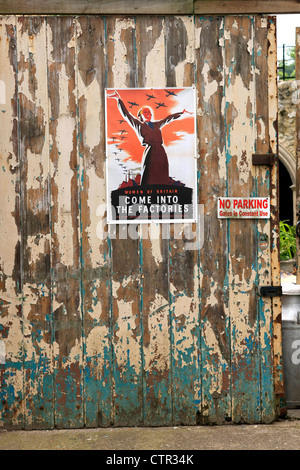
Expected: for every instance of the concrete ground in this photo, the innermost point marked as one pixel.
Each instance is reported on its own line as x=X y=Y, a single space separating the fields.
x=281 y=435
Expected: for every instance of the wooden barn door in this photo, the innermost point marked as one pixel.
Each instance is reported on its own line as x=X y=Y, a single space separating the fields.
x=135 y=326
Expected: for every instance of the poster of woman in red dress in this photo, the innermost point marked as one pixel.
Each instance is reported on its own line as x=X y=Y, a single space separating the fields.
x=151 y=155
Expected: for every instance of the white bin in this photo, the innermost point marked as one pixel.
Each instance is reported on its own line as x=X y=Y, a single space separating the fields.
x=291 y=343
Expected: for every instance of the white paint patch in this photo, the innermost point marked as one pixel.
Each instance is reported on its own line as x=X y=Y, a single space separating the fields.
x=124 y=309
x=227 y=35
x=222 y=164
x=243 y=129
x=63 y=91
x=212 y=300
x=115 y=285
x=49 y=41
x=2 y=92
x=92 y=132
x=155 y=244
x=264 y=22
x=155 y=63
x=96 y=342
x=97 y=206
x=262 y=129
x=250 y=45
x=210 y=87
x=2 y=352
x=198 y=37
x=64 y=227
x=120 y=68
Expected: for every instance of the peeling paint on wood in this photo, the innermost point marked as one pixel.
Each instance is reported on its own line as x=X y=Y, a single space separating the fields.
x=274 y=189
x=215 y=317
x=65 y=212
x=262 y=181
x=134 y=325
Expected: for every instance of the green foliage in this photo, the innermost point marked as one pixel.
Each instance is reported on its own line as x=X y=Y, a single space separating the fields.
x=287 y=240
x=289 y=64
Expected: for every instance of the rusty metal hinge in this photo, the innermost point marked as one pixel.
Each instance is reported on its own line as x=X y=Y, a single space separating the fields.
x=270 y=291
x=263 y=159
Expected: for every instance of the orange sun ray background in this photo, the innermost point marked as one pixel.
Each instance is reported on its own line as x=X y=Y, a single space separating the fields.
x=128 y=140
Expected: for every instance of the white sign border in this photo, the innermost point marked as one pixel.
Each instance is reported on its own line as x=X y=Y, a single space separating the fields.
x=238 y=217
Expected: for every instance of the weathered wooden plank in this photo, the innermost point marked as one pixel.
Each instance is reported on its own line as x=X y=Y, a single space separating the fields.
x=65 y=248
x=150 y=37
x=125 y=254
x=274 y=196
x=155 y=7
x=242 y=277
x=234 y=7
x=95 y=252
x=183 y=253
x=154 y=246
x=35 y=214
x=156 y=325
x=262 y=176
x=215 y=321
x=103 y=7
x=11 y=338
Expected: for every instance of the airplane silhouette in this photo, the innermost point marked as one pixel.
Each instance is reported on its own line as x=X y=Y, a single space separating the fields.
x=122 y=131
x=170 y=93
x=122 y=137
x=132 y=103
x=113 y=138
x=121 y=120
x=159 y=105
x=149 y=97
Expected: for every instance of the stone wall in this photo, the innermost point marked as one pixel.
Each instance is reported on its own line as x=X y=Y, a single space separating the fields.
x=287 y=139
x=287 y=116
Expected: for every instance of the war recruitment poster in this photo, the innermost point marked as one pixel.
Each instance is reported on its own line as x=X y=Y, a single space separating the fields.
x=151 y=155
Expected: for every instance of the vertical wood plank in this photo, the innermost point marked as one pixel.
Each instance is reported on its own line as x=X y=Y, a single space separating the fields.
x=96 y=264
x=35 y=214
x=65 y=250
x=125 y=253
x=262 y=177
x=240 y=109
x=11 y=322
x=151 y=46
x=183 y=253
x=156 y=336
x=215 y=321
x=274 y=196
